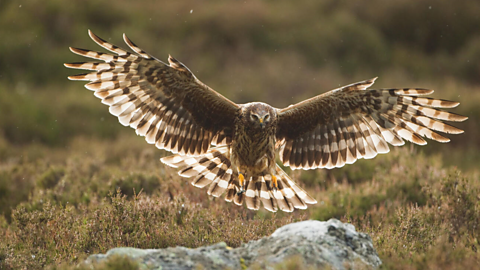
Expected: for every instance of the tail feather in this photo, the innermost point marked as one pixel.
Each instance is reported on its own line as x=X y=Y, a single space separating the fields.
x=215 y=169
x=253 y=194
x=298 y=191
x=239 y=197
x=220 y=184
x=230 y=192
x=200 y=181
x=283 y=203
x=266 y=196
x=260 y=189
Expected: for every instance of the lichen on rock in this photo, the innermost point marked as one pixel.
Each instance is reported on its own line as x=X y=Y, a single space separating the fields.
x=316 y=244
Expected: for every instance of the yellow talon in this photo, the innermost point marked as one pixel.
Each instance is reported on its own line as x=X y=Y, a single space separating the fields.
x=275 y=184
x=241 y=179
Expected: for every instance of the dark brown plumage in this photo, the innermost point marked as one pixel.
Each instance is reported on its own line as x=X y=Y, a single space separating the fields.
x=175 y=111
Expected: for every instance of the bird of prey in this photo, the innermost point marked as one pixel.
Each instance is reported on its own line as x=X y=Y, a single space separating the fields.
x=232 y=147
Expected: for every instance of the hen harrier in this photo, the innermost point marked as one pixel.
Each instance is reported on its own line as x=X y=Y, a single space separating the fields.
x=177 y=112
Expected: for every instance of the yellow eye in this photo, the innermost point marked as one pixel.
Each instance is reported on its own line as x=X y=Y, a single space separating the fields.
x=267 y=117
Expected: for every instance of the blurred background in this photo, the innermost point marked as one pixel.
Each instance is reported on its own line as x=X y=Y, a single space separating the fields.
x=59 y=143
x=271 y=51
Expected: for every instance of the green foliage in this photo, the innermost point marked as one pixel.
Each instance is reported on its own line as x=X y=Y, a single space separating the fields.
x=57 y=234
x=442 y=234
x=77 y=205
x=414 y=210
x=25 y=120
x=27 y=115
x=15 y=186
x=50 y=178
x=139 y=181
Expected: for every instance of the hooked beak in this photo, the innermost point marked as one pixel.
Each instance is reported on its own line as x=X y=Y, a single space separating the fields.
x=262 y=125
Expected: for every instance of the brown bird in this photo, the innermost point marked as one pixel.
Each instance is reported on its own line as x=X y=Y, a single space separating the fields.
x=175 y=111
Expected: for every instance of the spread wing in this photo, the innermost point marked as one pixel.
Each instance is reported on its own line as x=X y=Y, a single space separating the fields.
x=165 y=103
x=351 y=122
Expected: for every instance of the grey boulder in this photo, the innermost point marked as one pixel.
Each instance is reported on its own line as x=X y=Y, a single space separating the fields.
x=311 y=243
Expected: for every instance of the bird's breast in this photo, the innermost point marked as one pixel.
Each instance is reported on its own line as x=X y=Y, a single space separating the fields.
x=253 y=149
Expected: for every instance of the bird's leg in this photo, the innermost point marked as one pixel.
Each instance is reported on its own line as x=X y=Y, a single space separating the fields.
x=241 y=179
x=275 y=183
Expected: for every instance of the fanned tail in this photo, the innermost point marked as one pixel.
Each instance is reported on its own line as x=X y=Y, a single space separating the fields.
x=260 y=189
x=215 y=169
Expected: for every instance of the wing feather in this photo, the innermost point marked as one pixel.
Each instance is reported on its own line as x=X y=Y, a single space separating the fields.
x=326 y=157
x=165 y=103
x=351 y=122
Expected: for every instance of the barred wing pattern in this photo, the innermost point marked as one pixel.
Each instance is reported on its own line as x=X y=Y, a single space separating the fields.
x=345 y=124
x=165 y=103
x=214 y=169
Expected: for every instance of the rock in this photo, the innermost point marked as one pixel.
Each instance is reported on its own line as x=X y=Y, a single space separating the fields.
x=315 y=243
x=318 y=243
x=217 y=256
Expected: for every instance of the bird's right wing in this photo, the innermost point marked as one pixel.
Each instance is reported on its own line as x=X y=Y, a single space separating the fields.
x=354 y=122
x=165 y=103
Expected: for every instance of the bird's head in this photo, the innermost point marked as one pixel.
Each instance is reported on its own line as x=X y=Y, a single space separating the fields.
x=259 y=115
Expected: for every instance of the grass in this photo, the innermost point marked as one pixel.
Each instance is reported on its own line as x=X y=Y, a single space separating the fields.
x=82 y=201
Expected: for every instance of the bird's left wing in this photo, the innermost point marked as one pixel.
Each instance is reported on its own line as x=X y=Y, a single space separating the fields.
x=165 y=103
x=351 y=122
